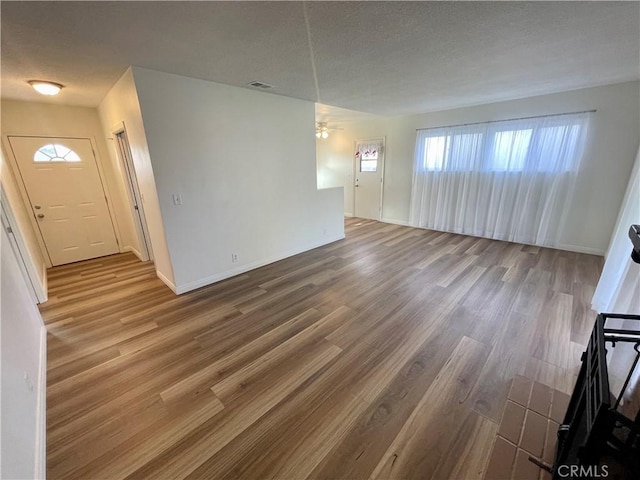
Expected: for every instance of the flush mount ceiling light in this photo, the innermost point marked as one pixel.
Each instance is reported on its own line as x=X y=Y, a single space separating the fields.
x=45 y=88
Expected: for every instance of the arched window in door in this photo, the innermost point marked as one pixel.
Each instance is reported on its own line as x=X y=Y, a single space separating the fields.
x=55 y=153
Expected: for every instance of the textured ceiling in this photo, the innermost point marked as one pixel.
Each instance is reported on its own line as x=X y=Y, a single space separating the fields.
x=380 y=57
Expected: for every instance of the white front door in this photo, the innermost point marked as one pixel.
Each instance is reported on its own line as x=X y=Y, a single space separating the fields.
x=66 y=195
x=368 y=175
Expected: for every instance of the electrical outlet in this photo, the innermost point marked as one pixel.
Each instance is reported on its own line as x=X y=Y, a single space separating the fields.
x=234 y=257
x=177 y=199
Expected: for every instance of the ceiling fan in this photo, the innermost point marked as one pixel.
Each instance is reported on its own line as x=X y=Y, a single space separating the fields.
x=322 y=129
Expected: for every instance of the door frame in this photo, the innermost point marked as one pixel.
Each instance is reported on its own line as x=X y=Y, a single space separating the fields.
x=136 y=204
x=382 y=165
x=37 y=290
x=13 y=162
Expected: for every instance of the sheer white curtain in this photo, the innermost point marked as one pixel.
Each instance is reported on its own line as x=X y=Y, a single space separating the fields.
x=507 y=180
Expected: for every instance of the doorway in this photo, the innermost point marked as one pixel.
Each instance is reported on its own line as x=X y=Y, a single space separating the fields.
x=17 y=245
x=369 y=178
x=65 y=193
x=123 y=152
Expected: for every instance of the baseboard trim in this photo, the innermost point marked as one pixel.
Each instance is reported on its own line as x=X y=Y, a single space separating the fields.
x=578 y=249
x=562 y=246
x=395 y=222
x=180 y=289
x=167 y=282
x=41 y=428
x=133 y=250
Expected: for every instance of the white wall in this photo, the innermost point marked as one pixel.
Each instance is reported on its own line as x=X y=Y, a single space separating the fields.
x=244 y=164
x=23 y=360
x=22 y=222
x=119 y=106
x=614 y=138
x=618 y=289
x=48 y=120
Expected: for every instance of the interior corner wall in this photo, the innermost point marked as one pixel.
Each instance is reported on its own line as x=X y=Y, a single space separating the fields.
x=240 y=165
x=119 y=106
x=23 y=365
x=613 y=140
x=52 y=120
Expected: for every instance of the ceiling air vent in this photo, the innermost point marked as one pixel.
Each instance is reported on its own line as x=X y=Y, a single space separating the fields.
x=257 y=84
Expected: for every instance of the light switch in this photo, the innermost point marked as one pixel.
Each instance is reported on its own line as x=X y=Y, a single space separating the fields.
x=177 y=199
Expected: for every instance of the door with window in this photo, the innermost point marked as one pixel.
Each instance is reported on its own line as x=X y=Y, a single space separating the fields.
x=369 y=169
x=66 y=196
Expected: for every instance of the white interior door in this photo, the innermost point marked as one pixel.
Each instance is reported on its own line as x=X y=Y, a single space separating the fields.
x=66 y=195
x=369 y=166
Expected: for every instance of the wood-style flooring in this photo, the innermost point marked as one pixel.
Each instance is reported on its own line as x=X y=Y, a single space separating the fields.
x=384 y=355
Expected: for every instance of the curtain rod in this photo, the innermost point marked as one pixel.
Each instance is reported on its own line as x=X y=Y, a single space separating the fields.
x=507 y=120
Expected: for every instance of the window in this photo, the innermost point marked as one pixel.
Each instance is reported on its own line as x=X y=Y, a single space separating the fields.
x=55 y=153
x=510 y=148
x=510 y=180
x=368 y=165
x=540 y=144
x=367 y=156
x=434 y=152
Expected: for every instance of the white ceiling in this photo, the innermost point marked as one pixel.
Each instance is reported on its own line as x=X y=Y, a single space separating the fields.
x=381 y=57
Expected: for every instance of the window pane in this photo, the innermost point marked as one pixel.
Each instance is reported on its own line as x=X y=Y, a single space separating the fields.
x=41 y=157
x=510 y=150
x=368 y=165
x=55 y=153
x=559 y=145
x=49 y=150
x=434 y=153
x=462 y=150
x=61 y=150
x=72 y=157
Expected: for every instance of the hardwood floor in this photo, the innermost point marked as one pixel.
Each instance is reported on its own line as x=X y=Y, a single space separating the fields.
x=384 y=355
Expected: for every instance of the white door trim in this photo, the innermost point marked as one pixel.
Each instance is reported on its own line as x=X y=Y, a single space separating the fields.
x=28 y=268
x=355 y=171
x=13 y=162
x=136 y=205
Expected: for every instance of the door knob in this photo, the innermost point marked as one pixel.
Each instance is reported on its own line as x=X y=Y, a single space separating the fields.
x=40 y=215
